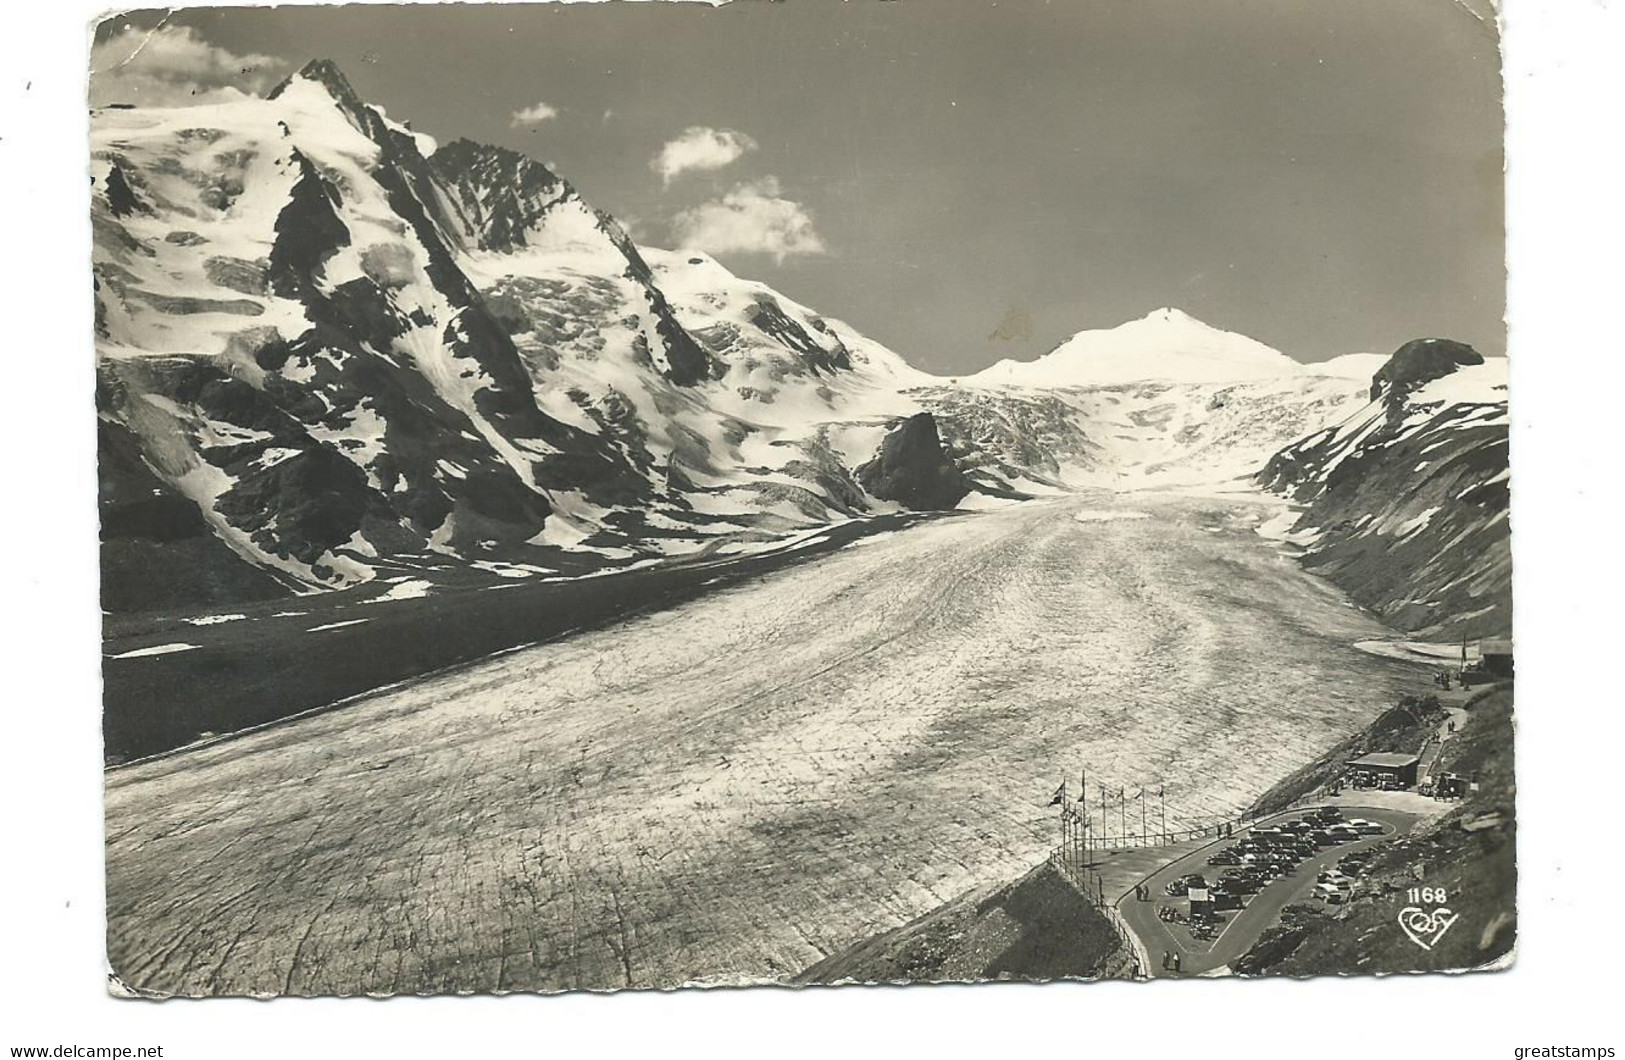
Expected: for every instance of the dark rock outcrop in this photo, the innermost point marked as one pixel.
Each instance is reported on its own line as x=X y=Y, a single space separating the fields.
x=308 y=232
x=771 y=318
x=501 y=194
x=157 y=550
x=913 y=469
x=1418 y=363
x=502 y=198
x=121 y=198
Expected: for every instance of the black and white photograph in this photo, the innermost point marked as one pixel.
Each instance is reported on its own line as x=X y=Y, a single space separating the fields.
x=827 y=510
x=765 y=515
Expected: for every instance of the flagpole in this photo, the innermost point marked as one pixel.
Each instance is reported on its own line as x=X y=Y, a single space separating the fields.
x=1143 y=837
x=1083 y=798
x=1060 y=800
x=1104 y=827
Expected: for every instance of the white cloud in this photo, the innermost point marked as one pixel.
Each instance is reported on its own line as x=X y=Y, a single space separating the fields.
x=173 y=66
x=750 y=218
x=700 y=147
x=534 y=114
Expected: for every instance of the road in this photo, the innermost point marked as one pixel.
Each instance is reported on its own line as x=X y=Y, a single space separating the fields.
x=737 y=786
x=1242 y=927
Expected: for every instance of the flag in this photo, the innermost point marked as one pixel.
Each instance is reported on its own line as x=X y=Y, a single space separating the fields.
x=1141 y=794
x=1059 y=796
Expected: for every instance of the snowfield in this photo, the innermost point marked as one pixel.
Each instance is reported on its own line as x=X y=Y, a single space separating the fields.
x=733 y=788
x=1167 y=344
x=1109 y=516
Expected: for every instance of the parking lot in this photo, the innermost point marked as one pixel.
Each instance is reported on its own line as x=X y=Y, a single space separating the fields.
x=1250 y=877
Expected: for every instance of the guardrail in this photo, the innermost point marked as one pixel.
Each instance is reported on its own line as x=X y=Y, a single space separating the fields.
x=1084 y=841
x=1070 y=862
x=1126 y=938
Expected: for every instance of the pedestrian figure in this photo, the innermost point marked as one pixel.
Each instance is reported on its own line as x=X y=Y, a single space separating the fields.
x=1176 y=962
x=1166 y=959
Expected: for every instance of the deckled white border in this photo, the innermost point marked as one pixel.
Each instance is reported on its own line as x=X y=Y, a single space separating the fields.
x=1566 y=233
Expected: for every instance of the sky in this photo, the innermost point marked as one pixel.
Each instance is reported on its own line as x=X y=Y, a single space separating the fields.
x=965 y=180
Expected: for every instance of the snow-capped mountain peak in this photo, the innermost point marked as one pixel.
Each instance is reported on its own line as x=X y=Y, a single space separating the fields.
x=323 y=72
x=332 y=352
x=1165 y=345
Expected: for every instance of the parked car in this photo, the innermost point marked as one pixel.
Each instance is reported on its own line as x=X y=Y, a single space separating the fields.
x=1330 y=893
x=1225 y=857
x=1364 y=827
x=1183 y=885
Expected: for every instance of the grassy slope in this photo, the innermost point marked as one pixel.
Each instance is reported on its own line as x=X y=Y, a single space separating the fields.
x=1037 y=928
x=1470 y=852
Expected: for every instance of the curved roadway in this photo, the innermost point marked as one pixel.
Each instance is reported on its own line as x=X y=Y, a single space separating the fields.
x=1242 y=927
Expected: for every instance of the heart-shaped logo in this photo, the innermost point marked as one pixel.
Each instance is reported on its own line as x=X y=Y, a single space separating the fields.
x=1424 y=928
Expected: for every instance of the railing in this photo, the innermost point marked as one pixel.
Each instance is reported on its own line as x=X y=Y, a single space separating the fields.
x=1126 y=939
x=1075 y=868
x=1086 y=841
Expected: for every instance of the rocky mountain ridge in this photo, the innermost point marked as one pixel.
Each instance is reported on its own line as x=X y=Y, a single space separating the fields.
x=1406 y=502
x=334 y=354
